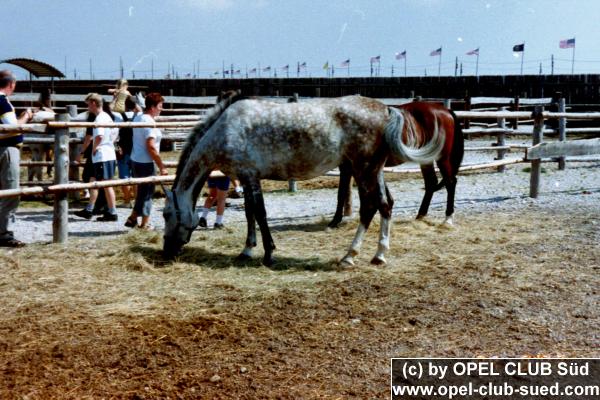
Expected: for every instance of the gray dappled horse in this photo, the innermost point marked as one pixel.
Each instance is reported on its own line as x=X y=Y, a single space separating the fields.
x=256 y=139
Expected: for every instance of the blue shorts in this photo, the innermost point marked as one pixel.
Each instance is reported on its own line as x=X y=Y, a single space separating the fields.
x=124 y=166
x=221 y=183
x=104 y=171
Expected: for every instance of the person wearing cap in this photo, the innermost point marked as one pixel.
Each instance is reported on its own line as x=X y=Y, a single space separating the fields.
x=10 y=155
x=103 y=158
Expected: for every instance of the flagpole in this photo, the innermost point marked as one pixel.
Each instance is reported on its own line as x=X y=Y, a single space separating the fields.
x=477 y=65
x=405 y=65
x=522 y=57
x=573 y=59
x=440 y=63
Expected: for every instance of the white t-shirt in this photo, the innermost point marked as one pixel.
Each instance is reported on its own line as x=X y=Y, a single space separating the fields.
x=106 y=149
x=139 y=153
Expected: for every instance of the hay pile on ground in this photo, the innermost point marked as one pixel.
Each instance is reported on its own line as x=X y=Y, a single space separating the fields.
x=106 y=318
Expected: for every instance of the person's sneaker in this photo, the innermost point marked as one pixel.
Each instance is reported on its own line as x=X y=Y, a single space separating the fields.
x=11 y=243
x=84 y=214
x=218 y=226
x=202 y=223
x=99 y=211
x=108 y=217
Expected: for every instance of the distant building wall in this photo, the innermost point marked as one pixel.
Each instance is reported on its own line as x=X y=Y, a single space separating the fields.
x=575 y=88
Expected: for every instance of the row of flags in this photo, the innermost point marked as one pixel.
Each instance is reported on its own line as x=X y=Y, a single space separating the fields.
x=563 y=44
x=518 y=48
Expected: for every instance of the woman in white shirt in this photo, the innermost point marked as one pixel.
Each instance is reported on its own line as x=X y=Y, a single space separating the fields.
x=144 y=154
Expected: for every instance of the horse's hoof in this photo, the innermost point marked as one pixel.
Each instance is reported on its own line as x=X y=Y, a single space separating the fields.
x=448 y=221
x=268 y=261
x=379 y=261
x=333 y=225
x=347 y=262
x=243 y=257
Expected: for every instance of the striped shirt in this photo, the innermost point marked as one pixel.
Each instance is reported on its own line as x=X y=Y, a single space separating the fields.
x=8 y=116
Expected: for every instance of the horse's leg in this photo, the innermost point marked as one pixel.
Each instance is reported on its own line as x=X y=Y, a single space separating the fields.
x=344 y=192
x=386 y=203
x=249 y=207
x=368 y=192
x=431 y=183
x=449 y=180
x=261 y=218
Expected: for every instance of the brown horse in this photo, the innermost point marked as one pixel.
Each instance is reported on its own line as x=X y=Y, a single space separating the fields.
x=422 y=120
x=257 y=139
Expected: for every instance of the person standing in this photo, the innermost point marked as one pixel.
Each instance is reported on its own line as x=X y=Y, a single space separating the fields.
x=218 y=187
x=120 y=93
x=145 y=153
x=103 y=159
x=124 y=148
x=10 y=155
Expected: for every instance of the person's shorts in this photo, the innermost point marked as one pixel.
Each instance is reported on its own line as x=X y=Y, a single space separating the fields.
x=221 y=183
x=104 y=170
x=124 y=166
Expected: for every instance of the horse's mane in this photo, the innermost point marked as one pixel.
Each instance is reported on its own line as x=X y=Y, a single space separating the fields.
x=224 y=100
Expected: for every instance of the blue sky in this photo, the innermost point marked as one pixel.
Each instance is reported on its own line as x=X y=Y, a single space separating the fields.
x=199 y=36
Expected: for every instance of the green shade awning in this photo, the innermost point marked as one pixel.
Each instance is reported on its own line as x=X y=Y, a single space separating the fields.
x=36 y=68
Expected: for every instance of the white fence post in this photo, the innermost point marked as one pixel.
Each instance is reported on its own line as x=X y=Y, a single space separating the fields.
x=562 y=130
x=501 y=141
x=536 y=165
x=292 y=184
x=60 y=221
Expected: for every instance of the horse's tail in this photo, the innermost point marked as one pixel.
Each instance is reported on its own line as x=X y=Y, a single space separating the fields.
x=425 y=154
x=200 y=129
x=458 y=145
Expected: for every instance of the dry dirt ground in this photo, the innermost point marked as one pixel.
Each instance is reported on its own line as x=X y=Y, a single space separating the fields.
x=107 y=318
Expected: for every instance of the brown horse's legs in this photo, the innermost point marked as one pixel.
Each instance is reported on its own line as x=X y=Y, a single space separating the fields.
x=344 y=192
x=249 y=207
x=450 y=182
x=431 y=183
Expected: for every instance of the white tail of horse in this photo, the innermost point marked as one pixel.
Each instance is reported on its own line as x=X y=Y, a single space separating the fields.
x=425 y=154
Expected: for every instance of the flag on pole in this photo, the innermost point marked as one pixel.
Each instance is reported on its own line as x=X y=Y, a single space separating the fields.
x=237 y=71
x=567 y=44
x=267 y=69
x=473 y=52
x=518 y=48
x=286 y=67
x=375 y=59
x=252 y=71
x=437 y=52
x=303 y=65
x=345 y=63
x=400 y=56
x=326 y=65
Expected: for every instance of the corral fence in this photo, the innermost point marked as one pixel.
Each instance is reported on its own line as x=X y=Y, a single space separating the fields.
x=540 y=151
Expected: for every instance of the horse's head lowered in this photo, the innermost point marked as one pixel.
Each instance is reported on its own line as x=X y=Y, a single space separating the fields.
x=179 y=225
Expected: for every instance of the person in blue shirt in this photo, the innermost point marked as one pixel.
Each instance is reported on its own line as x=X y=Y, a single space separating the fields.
x=10 y=144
